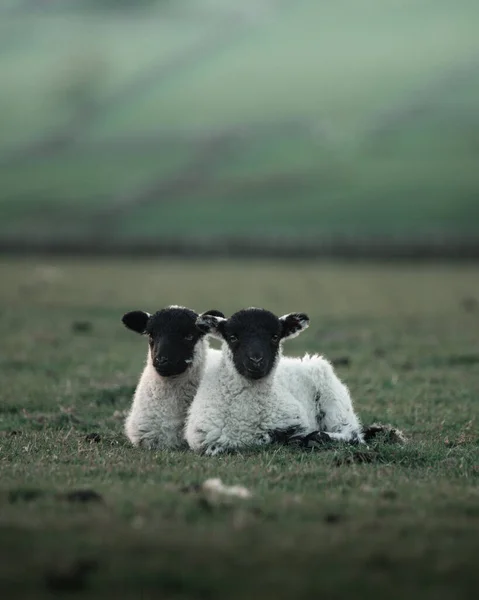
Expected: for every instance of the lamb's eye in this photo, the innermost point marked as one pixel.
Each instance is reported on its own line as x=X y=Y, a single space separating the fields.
x=189 y=337
x=275 y=338
x=232 y=339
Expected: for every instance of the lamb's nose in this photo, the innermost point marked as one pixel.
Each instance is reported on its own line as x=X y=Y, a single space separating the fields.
x=161 y=360
x=256 y=360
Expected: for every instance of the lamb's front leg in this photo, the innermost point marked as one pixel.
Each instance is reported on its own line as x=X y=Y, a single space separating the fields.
x=335 y=415
x=148 y=427
x=284 y=435
x=289 y=422
x=266 y=434
x=346 y=431
x=209 y=435
x=338 y=421
x=321 y=439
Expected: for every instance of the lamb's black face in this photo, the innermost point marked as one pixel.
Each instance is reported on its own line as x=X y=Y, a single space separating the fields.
x=172 y=336
x=254 y=335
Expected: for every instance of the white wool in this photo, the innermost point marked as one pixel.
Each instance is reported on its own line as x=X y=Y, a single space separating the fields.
x=160 y=404
x=230 y=412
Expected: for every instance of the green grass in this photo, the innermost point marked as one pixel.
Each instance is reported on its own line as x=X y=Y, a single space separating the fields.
x=322 y=523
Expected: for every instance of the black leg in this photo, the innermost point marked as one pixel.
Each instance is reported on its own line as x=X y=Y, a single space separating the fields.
x=282 y=436
x=315 y=439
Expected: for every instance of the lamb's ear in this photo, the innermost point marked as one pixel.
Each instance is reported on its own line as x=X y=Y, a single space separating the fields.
x=210 y=322
x=293 y=324
x=214 y=313
x=136 y=320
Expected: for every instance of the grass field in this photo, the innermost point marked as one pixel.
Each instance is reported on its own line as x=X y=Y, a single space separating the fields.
x=405 y=523
x=338 y=118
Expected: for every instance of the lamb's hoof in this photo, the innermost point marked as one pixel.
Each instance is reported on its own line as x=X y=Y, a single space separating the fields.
x=387 y=433
x=356 y=439
x=283 y=436
x=264 y=439
x=214 y=450
x=315 y=439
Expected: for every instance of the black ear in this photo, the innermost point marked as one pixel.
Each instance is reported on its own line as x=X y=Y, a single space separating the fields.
x=214 y=313
x=136 y=320
x=209 y=323
x=293 y=324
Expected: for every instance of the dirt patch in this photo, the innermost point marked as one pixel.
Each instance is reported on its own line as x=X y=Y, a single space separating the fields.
x=82 y=326
x=463 y=360
x=341 y=361
x=386 y=434
x=81 y=496
x=25 y=495
x=71 y=577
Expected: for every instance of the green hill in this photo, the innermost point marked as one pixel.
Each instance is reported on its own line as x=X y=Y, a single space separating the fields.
x=245 y=119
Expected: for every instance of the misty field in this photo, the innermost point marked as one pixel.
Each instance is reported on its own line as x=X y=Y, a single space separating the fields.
x=207 y=118
x=82 y=511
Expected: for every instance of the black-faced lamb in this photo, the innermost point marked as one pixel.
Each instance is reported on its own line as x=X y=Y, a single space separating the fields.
x=252 y=394
x=178 y=355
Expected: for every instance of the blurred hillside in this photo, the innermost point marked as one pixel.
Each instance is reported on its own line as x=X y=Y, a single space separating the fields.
x=128 y=121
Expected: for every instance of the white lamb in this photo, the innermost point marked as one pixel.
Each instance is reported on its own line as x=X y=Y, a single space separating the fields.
x=177 y=357
x=252 y=396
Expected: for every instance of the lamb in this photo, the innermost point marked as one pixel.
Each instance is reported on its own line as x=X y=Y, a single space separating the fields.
x=253 y=396
x=178 y=355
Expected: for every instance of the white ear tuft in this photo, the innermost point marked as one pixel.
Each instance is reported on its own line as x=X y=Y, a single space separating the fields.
x=293 y=324
x=210 y=324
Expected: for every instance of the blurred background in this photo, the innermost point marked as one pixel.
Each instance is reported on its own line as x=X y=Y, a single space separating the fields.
x=240 y=126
